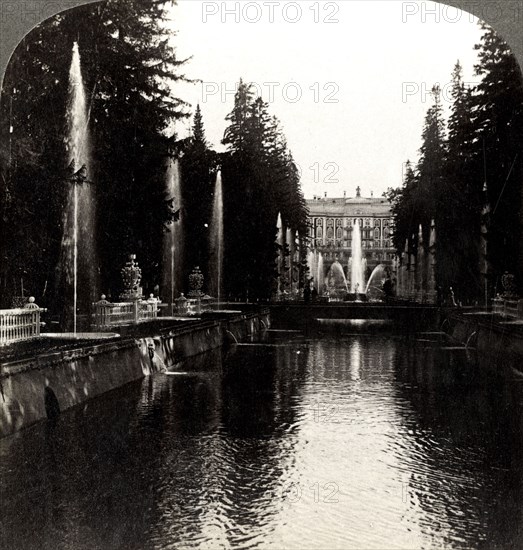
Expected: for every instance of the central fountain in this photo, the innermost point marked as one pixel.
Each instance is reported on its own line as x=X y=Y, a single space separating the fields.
x=357 y=263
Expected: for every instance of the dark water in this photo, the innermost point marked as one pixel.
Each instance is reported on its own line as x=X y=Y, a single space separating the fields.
x=358 y=441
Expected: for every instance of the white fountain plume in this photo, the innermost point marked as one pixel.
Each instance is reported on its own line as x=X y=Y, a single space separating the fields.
x=172 y=284
x=311 y=264
x=336 y=281
x=216 y=241
x=79 y=237
x=321 y=275
x=357 y=265
x=289 y=237
x=280 y=244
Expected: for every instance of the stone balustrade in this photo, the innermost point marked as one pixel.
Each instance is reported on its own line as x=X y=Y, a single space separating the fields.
x=20 y=324
x=508 y=308
x=110 y=314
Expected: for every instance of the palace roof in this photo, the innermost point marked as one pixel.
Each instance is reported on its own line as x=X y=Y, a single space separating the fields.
x=346 y=207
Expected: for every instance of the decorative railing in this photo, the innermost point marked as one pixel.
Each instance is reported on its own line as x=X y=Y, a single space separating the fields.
x=20 y=324
x=111 y=314
x=192 y=306
x=508 y=308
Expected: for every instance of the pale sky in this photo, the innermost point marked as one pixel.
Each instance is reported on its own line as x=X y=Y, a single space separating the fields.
x=364 y=78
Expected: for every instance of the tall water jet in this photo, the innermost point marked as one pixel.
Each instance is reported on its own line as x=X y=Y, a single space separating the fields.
x=280 y=246
x=311 y=264
x=172 y=272
x=78 y=257
x=216 y=241
x=420 y=267
x=321 y=275
x=357 y=277
x=289 y=239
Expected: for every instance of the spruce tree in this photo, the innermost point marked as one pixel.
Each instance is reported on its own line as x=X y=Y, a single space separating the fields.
x=404 y=209
x=498 y=108
x=261 y=179
x=459 y=201
x=199 y=168
x=129 y=68
x=430 y=165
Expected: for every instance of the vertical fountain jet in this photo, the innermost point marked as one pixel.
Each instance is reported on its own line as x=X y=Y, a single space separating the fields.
x=357 y=277
x=79 y=259
x=321 y=275
x=216 y=241
x=280 y=260
x=311 y=265
x=172 y=274
x=289 y=239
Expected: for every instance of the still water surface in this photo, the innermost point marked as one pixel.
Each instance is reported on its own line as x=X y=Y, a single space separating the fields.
x=290 y=442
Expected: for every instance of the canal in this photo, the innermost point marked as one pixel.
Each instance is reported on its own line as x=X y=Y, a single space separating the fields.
x=362 y=439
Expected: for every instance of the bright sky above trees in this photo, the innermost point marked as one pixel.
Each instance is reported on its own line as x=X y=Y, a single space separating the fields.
x=379 y=61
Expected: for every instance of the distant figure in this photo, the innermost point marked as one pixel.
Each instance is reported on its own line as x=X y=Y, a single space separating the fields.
x=307 y=292
x=314 y=294
x=452 y=297
x=387 y=287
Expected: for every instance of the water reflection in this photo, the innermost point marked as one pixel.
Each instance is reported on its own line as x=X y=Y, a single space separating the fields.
x=291 y=442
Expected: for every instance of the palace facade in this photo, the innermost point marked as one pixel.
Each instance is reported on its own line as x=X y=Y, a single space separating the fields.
x=330 y=229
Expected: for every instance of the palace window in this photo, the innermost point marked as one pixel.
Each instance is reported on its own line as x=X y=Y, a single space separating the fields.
x=377 y=234
x=319 y=232
x=330 y=232
x=339 y=233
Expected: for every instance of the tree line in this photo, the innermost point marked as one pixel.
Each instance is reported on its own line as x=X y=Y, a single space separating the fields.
x=131 y=68
x=469 y=178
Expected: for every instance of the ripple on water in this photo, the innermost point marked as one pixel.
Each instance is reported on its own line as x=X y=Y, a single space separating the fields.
x=359 y=441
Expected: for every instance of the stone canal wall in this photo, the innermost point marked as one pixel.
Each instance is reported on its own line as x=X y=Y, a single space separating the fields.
x=41 y=386
x=498 y=342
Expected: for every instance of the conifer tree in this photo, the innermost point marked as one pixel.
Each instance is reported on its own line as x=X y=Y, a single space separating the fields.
x=459 y=202
x=199 y=168
x=261 y=180
x=430 y=165
x=498 y=119
x=129 y=69
x=404 y=209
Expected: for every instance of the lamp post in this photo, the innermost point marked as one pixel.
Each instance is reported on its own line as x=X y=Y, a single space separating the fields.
x=76 y=179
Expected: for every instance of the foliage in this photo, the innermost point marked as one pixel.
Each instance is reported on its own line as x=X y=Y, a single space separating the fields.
x=129 y=68
x=484 y=144
x=260 y=180
x=498 y=119
x=199 y=168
